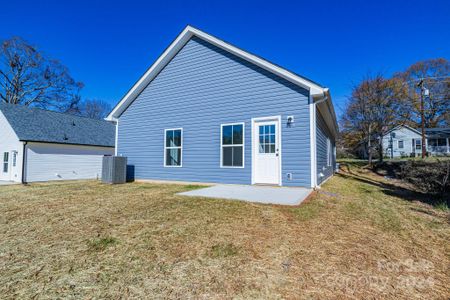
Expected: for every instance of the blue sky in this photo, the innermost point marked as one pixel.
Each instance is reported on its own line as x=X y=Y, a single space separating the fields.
x=109 y=44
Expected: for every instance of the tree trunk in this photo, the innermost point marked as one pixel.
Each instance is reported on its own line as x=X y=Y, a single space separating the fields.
x=369 y=147
x=380 y=149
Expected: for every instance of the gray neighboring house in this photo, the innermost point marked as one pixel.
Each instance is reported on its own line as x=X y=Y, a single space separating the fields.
x=405 y=141
x=40 y=145
x=208 y=111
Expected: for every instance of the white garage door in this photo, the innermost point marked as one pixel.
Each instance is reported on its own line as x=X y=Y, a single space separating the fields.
x=63 y=162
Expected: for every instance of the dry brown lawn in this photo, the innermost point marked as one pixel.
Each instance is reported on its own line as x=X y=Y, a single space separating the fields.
x=354 y=239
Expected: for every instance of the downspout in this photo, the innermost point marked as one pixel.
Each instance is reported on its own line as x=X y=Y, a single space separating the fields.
x=116 y=142
x=23 y=162
x=323 y=98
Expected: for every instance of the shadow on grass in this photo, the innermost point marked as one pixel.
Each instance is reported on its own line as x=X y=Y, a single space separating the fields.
x=395 y=190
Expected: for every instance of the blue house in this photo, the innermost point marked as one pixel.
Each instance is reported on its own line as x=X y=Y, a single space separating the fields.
x=207 y=111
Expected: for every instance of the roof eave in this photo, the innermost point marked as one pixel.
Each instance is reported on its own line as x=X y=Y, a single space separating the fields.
x=62 y=143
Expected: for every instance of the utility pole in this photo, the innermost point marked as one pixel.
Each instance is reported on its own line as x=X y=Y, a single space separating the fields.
x=423 y=90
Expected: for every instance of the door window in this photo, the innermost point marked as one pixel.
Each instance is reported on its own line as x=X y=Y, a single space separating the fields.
x=267 y=139
x=14 y=160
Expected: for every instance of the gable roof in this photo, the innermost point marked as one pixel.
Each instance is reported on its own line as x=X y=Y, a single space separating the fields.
x=405 y=126
x=317 y=91
x=38 y=125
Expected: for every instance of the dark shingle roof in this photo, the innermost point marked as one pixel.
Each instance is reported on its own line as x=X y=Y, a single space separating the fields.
x=38 y=125
x=438 y=132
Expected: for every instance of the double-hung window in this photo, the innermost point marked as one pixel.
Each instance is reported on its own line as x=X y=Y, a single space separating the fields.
x=400 y=144
x=173 y=147
x=418 y=144
x=232 y=145
x=5 y=162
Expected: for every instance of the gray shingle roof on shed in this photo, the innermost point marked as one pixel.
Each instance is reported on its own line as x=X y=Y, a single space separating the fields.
x=38 y=125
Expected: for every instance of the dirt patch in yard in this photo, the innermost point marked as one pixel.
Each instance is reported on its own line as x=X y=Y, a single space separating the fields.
x=140 y=240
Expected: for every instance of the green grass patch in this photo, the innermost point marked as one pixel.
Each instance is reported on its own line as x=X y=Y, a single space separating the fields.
x=223 y=250
x=308 y=211
x=442 y=206
x=102 y=243
x=191 y=187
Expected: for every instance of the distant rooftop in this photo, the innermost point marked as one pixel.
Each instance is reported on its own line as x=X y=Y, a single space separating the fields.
x=38 y=125
x=438 y=132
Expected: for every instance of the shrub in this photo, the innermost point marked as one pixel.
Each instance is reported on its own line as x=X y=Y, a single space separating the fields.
x=428 y=177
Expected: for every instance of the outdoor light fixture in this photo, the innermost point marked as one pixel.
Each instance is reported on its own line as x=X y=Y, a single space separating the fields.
x=290 y=120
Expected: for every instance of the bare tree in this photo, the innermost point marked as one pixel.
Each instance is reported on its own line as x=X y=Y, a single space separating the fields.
x=94 y=108
x=435 y=74
x=28 y=77
x=375 y=106
x=358 y=121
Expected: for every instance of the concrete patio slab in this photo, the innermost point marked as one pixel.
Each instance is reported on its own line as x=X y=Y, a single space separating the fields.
x=253 y=193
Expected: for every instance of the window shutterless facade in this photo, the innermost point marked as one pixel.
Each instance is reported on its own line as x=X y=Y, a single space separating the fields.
x=232 y=145
x=400 y=144
x=173 y=147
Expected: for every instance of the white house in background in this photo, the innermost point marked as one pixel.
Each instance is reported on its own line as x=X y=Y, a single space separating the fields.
x=405 y=141
x=40 y=145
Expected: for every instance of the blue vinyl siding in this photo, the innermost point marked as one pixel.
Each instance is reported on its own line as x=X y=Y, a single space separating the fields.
x=322 y=134
x=200 y=89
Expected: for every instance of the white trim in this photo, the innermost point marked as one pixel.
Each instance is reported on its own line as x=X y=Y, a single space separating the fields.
x=243 y=145
x=313 y=145
x=5 y=162
x=116 y=144
x=404 y=126
x=254 y=146
x=181 y=147
x=180 y=41
x=420 y=144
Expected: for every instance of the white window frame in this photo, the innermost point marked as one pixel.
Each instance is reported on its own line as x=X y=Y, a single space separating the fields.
x=328 y=152
x=5 y=163
x=417 y=144
x=175 y=147
x=398 y=144
x=222 y=145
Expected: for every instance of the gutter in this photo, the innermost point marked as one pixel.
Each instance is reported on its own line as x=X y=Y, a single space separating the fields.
x=70 y=144
x=23 y=162
x=324 y=97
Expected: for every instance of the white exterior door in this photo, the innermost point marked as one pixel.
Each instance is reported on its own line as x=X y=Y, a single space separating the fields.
x=266 y=151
